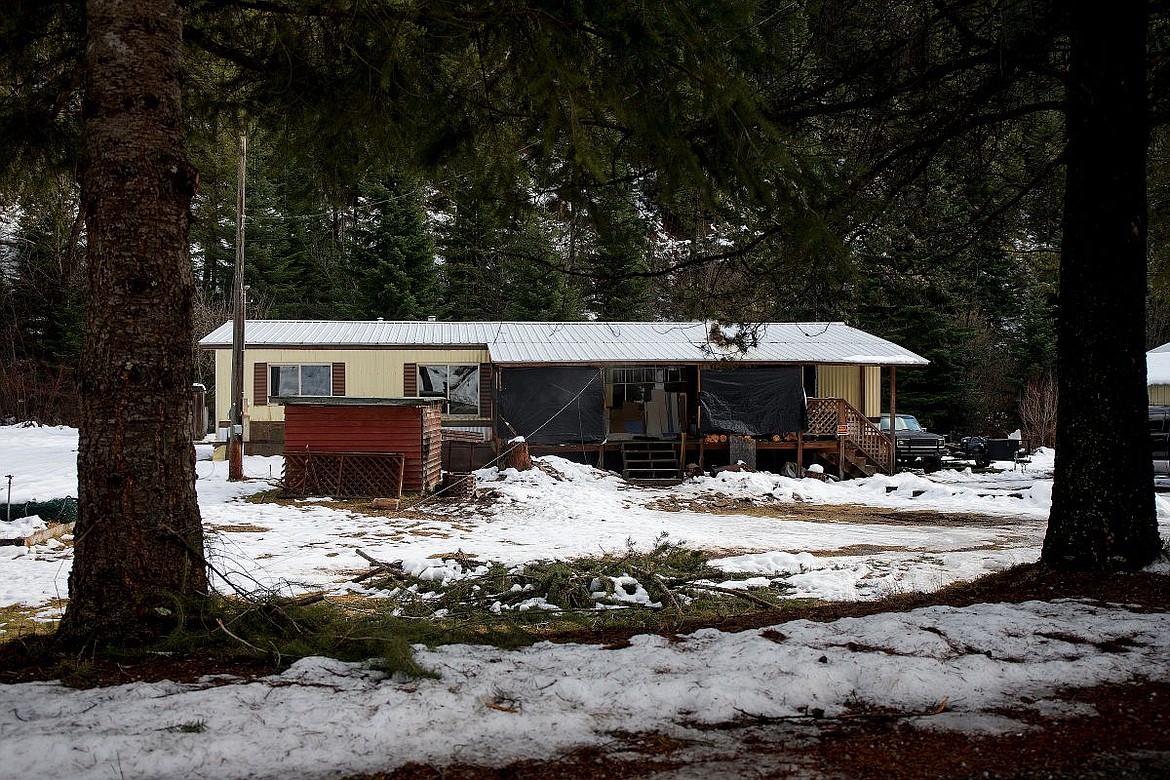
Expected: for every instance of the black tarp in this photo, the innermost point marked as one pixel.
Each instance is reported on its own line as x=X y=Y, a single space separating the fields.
x=551 y=405
x=752 y=401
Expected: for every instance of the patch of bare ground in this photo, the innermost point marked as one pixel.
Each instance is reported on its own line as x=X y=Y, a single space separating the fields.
x=411 y=507
x=828 y=513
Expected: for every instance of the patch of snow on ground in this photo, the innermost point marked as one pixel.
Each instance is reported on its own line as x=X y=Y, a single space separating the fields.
x=324 y=718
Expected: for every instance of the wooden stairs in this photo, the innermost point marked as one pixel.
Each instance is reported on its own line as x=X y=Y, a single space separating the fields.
x=650 y=462
x=863 y=450
x=853 y=463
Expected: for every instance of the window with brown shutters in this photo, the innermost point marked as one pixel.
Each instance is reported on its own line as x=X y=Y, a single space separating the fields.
x=339 y=378
x=410 y=380
x=300 y=379
x=260 y=385
x=485 y=390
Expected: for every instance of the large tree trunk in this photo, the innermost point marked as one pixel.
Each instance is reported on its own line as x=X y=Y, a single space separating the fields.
x=138 y=558
x=1103 y=514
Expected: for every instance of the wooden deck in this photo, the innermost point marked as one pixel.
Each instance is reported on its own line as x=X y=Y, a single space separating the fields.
x=838 y=436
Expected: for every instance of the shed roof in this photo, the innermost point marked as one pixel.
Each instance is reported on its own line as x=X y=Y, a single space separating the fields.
x=528 y=343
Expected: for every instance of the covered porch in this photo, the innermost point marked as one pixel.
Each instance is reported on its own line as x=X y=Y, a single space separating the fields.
x=652 y=422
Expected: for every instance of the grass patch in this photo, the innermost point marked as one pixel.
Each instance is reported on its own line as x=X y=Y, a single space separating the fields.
x=360 y=505
x=280 y=631
x=247 y=637
x=18 y=620
x=270 y=496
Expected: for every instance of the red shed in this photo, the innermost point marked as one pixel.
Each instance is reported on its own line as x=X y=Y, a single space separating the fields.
x=362 y=446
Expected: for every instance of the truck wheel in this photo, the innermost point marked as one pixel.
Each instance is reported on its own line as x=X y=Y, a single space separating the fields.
x=931 y=465
x=982 y=459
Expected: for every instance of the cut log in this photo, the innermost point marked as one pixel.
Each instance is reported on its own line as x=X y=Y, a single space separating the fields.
x=516 y=455
x=45 y=534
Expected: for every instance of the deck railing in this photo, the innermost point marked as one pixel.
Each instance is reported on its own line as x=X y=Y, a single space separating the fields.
x=836 y=417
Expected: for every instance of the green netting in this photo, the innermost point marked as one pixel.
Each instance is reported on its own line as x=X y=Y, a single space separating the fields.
x=56 y=510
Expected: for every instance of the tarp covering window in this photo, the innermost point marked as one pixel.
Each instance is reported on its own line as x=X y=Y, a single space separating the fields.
x=551 y=405
x=753 y=401
x=459 y=384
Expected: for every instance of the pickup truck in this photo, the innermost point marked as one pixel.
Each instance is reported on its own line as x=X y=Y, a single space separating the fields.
x=1160 y=439
x=913 y=444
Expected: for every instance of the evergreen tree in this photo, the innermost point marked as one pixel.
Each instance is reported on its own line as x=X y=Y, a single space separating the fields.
x=1103 y=514
x=213 y=211
x=295 y=260
x=42 y=302
x=391 y=251
x=501 y=265
x=137 y=577
x=621 y=291
x=45 y=280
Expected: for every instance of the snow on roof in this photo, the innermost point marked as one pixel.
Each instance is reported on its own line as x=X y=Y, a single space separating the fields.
x=588 y=342
x=1158 y=365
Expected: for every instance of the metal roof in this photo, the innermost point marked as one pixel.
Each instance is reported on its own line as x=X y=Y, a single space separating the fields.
x=586 y=342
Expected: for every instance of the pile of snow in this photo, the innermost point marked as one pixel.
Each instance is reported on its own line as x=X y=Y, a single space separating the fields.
x=21 y=527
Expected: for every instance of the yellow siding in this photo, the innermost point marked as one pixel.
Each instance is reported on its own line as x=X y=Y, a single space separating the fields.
x=223 y=383
x=378 y=373
x=839 y=382
x=369 y=373
x=1159 y=395
x=873 y=391
x=835 y=381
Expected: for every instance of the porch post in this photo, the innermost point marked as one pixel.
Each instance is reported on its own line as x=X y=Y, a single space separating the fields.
x=893 y=406
x=841 y=427
x=861 y=386
x=699 y=414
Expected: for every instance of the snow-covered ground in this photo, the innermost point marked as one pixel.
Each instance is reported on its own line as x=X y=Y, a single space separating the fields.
x=324 y=718
x=585 y=512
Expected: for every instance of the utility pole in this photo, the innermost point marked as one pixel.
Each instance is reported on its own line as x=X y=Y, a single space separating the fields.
x=236 y=413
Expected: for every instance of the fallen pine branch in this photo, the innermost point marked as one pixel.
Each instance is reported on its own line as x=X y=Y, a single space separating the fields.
x=737 y=593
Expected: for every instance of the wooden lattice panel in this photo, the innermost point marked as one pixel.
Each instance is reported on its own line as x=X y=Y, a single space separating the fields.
x=344 y=474
x=822 y=417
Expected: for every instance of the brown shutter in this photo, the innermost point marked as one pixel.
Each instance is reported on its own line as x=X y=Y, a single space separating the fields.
x=260 y=385
x=339 y=378
x=485 y=390
x=410 y=380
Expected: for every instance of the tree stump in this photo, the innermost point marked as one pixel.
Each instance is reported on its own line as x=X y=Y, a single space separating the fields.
x=516 y=455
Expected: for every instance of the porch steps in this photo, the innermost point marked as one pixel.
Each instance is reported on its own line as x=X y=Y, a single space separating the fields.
x=857 y=464
x=651 y=462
